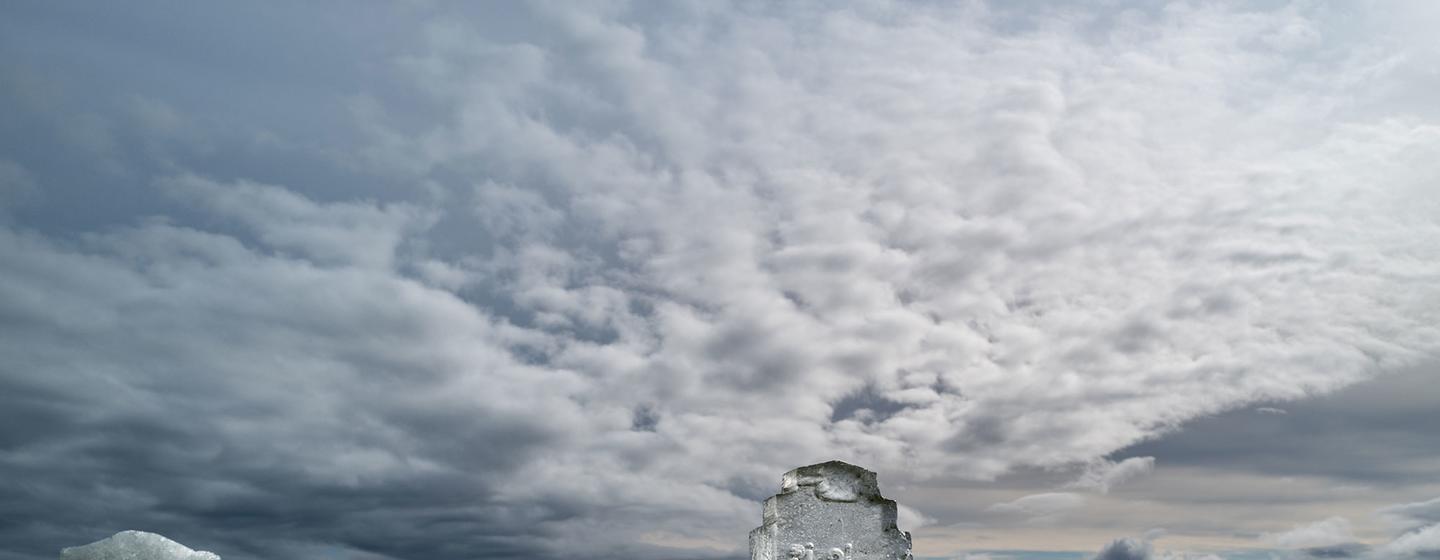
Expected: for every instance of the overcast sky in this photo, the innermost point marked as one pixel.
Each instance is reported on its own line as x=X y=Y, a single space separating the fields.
x=405 y=280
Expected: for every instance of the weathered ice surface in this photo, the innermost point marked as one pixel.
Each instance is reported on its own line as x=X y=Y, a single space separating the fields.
x=829 y=511
x=135 y=545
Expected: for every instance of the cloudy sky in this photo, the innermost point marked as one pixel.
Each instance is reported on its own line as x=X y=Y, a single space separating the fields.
x=392 y=281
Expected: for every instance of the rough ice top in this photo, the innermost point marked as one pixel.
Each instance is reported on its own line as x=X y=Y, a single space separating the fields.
x=135 y=545
x=834 y=481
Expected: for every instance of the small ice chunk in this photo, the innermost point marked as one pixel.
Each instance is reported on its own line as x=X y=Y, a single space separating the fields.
x=135 y=545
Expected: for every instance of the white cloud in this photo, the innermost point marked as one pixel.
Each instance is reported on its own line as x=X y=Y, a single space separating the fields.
x=911 y=519
x=359 y=233
x=895 y=205
x=1040 y=508
x=1103 y=474
x=1419 y=543
x=1419 y=535
x=981 y=556
x=1408 y=516
x=1327 y=532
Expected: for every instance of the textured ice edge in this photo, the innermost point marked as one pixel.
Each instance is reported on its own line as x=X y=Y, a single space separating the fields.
x=835 y=481
x=135 y=545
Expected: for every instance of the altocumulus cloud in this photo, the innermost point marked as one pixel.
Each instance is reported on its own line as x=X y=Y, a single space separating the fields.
x=582 y=280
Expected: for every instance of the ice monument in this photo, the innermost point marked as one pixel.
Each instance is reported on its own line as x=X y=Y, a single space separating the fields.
x=135 y=545
x=829 y=511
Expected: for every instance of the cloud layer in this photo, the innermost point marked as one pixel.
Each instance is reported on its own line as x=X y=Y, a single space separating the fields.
x=585 y=281
x=1418 y=536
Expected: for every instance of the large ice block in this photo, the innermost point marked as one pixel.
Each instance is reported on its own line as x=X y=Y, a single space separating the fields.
x=829 y=511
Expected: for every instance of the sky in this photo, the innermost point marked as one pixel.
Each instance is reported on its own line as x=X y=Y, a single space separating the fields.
x=387 y=281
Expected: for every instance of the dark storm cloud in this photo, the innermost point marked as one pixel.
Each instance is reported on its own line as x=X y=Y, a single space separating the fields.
x=167 y=451
x=1125 y=549
x=321 y=442
x=866 y=405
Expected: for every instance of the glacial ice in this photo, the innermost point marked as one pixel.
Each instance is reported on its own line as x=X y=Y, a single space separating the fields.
x=135 y=545
x=829 y=511
x=834 y=481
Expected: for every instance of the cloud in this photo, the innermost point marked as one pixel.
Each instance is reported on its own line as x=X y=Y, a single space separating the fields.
x=1333 y=537
x=1125 y=549
x=1324 y=533
x=911 y=519
x=1420 y=530
x=1423 y=542
x=1102 y=475
x=1409 y=516
x=341 y=233
x=1040 y=508
x=982 y=556
x=534 y=282
x=1143 y=548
